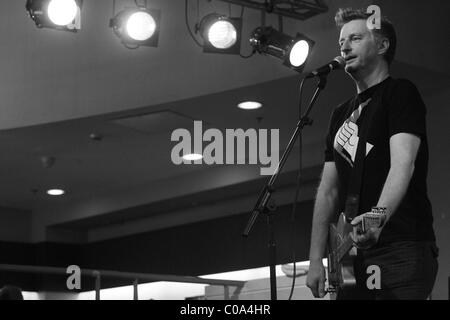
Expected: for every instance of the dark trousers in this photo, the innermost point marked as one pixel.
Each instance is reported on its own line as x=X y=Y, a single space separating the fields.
x=407 y=272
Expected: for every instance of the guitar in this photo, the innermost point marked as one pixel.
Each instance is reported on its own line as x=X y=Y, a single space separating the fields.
x=341 y=252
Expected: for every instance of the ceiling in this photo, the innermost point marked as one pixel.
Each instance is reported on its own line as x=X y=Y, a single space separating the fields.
x=59 y=88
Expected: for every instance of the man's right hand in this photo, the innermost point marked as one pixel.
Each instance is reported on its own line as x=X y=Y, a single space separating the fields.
x=315 y=280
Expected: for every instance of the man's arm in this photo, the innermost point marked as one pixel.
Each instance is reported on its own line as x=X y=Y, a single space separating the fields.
x=324 y=209
x=403 y=149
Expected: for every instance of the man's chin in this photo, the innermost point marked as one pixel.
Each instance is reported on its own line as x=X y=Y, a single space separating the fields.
x=351 y=69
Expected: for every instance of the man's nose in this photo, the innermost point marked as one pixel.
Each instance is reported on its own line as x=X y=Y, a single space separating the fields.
x=345 y=46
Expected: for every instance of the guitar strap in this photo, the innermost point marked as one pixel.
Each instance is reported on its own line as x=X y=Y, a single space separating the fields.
x=352 y=203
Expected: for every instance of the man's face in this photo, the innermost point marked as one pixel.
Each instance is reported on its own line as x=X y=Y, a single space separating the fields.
x=358 y=46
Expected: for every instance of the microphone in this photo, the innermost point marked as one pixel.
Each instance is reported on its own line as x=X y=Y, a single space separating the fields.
x=337 y=63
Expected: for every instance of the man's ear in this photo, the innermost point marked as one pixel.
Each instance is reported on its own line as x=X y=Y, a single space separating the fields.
x=383 y=46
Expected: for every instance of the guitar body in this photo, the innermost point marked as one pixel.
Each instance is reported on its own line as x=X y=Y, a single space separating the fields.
x=341 y=255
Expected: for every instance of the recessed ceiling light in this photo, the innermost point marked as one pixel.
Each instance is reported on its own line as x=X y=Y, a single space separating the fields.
x=55 y=192
x=249 y=105
x=192 y=156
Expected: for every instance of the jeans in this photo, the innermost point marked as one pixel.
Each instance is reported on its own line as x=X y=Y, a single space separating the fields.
x=407 y=271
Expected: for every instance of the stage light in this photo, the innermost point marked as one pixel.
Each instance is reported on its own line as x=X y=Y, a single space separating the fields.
x=299 y=53
x=292 y=51
x=55 y=14
x=62 y=12
x=137 y=26
x=220 y=33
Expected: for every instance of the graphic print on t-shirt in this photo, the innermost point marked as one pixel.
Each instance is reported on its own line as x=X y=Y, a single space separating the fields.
x=346 y=139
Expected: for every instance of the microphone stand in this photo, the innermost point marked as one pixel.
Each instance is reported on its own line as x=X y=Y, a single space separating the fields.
x=267 y=205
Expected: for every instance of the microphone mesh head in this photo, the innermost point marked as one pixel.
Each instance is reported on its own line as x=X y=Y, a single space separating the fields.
x=341 y=61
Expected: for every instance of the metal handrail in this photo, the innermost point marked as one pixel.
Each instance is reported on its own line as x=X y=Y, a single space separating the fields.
x=134 y=276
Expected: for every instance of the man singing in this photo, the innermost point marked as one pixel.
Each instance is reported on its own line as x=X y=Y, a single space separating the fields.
x=394 y=171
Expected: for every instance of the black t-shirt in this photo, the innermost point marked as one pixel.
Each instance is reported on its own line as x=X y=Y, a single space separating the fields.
x=398 y=108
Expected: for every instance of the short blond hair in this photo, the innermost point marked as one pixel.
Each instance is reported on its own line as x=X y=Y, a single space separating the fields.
x=386 y=28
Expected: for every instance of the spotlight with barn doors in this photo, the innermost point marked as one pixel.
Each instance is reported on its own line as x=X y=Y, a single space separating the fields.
x=220 y=33
x=55 y=14
x=293 y=51
x=137 y=26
